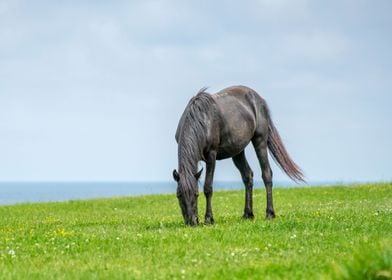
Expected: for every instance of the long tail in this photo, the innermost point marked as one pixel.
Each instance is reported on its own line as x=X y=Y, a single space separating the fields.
x=280 y=155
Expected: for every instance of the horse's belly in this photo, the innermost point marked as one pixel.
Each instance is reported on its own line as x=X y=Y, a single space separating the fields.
x=232 y=147
x=234 y=137
x=228 y=153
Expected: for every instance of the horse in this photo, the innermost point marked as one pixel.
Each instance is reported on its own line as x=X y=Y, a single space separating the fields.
x=219 y=126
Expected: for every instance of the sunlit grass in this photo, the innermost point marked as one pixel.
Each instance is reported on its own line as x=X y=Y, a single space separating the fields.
x=318 y=233
x=371 y=262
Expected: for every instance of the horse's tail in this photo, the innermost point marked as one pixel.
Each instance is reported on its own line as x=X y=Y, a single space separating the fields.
x=280 y=154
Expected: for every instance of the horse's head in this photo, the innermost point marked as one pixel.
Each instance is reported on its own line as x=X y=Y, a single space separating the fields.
x=187 y=194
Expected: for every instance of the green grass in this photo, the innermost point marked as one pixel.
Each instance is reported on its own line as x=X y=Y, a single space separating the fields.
x=319 y=233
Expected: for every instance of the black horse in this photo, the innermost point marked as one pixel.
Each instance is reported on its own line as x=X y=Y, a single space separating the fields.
x=220 y=126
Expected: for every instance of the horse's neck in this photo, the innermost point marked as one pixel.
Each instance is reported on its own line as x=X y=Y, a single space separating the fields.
x=192 y=139
x=188 y=158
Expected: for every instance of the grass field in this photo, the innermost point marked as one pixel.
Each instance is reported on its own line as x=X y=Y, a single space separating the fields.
x=319 y=233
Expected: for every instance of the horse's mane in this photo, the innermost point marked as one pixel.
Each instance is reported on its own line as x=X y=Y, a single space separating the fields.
x=192 y=130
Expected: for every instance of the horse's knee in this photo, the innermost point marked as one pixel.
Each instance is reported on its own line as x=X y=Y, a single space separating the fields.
x=208 y=191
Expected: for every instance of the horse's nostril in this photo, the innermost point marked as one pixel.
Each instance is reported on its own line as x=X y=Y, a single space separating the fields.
x=194 y=221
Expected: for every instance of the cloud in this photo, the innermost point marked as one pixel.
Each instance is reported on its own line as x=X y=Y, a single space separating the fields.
x=315 y=46
x=103 y=82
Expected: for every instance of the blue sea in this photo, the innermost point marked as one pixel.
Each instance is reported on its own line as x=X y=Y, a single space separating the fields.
x=21 y=192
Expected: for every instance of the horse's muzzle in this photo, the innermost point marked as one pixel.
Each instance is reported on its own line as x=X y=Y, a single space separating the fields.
x=192 y=221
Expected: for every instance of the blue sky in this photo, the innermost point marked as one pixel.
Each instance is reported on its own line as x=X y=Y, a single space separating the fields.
x=93 y=90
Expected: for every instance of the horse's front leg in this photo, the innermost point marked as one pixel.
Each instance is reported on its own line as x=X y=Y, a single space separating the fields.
x=210 y=164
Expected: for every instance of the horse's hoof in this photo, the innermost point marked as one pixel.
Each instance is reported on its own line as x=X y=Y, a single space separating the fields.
x=208 y=220
x=270 y=216
x=248 y=216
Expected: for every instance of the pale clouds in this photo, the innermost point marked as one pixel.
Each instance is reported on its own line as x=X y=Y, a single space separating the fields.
x=93 y=91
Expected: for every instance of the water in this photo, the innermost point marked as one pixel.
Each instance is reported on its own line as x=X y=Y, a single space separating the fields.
x=20 y=192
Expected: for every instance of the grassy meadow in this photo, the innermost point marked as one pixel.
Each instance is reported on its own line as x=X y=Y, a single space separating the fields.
x=340 y=232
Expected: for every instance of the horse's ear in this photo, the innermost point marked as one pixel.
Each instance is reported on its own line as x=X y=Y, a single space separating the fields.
x=176 y=176
x=198 y=174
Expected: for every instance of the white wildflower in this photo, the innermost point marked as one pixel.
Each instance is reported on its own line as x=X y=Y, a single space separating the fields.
x=293 y=236
x=12 y=253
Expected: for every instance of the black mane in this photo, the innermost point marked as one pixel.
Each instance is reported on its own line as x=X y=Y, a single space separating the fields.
x=191 y=132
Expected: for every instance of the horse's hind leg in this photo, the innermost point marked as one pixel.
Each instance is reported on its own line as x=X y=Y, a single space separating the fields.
x=260 y=145
x=247 y=177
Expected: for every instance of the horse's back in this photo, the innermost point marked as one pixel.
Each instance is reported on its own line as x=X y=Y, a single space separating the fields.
x=239 y=102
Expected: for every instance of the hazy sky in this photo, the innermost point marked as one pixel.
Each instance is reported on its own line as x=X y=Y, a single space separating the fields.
x=93 y=90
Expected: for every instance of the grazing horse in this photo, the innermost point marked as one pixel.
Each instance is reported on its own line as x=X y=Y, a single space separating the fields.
x=219 y=126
